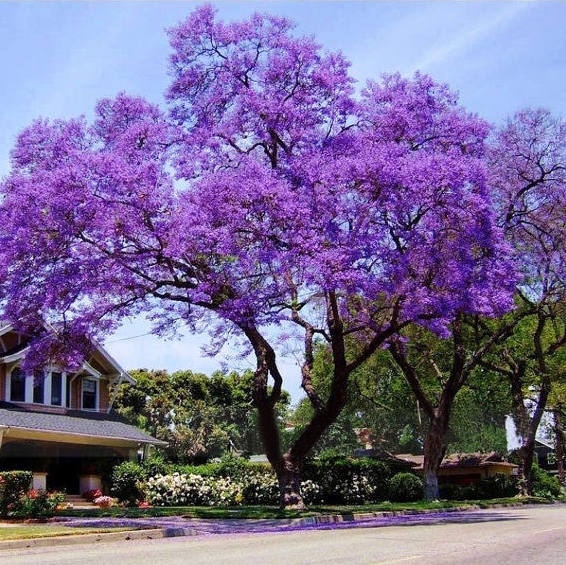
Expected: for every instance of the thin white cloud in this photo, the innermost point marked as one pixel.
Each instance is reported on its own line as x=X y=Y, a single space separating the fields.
x=473 y=36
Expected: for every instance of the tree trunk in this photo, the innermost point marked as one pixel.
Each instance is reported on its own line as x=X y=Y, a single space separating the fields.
x=526 y=455
x=288 y=466
x=433 y=454
x=559 y=433
x=289 y=477
x=287 y=469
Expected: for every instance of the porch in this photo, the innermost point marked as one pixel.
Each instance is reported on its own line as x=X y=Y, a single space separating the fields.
x=70 y=451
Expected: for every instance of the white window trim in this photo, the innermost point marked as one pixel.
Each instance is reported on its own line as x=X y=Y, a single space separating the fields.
x=97 y=402
x=48 y=387
x=9 y=387
x=28 y=396
x=32 y=379
x=29 y=389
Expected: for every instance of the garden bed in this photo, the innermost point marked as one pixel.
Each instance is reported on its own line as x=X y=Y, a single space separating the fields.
x=272 y=512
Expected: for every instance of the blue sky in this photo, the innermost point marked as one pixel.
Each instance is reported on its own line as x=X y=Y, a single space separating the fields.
x=58 y=58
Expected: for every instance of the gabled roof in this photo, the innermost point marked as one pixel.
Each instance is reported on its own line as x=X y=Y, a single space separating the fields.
x=74 y=423
x=100 y=354
x=544 y=443
x=459 y=460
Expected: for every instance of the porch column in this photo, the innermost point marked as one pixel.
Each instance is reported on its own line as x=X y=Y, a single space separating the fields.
x=39 y=480
x=3 y=430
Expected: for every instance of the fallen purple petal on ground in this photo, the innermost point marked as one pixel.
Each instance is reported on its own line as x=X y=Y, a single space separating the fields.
x=208 y=527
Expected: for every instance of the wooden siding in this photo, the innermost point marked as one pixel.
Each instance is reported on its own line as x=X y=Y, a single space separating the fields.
x=2 y=382
x=104 y=399
x=76 y=388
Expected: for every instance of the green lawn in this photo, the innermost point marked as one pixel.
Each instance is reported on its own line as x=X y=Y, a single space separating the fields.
x=274 y=512
x=27 y=531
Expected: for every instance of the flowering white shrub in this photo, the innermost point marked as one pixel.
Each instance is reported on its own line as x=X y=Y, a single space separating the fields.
x=311 y=492
x=261 y=489
x=179 y=490
x=225 y=492
x=350 y=482
x=196 y=490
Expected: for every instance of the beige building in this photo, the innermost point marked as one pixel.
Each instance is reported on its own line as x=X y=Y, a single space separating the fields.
x=59 y=423
x=465 y=468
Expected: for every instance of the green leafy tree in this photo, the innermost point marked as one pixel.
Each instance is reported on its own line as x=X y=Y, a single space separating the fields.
x=200 y=417
x=533 y=362
x=477 y=423
x=379 y=400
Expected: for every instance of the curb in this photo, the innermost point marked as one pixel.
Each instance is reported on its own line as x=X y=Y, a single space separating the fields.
x=100 y=537
x=364 y=516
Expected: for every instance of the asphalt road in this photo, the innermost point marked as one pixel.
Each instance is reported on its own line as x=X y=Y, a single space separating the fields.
x=523 y=536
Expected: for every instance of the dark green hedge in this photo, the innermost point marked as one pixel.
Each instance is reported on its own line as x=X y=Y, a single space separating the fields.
x=544 y=484
x=349 y=481
x=342 y=480
x=405 y=487
x=128 y=483
x=499 y=486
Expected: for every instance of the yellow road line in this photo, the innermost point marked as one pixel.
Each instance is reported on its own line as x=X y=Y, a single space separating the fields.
x=392 y=561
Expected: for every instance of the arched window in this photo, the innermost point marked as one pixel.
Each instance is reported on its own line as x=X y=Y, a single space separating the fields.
x=38 y=387
x=17 y=385
x=56 y=388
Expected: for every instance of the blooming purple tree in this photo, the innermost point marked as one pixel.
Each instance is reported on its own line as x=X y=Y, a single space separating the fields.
x=528 y=175
x=270 y=204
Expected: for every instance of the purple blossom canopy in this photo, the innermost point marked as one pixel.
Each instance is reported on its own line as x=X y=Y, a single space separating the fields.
x=528 y=179
x=266 y=186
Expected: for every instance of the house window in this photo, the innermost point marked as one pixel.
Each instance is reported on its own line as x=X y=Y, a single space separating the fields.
x=68 y=385
x=17 y=385
x=56 y=389
x=38 y=387
x=89 y=394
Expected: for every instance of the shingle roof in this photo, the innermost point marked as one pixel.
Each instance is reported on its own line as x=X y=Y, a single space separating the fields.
x=460 y=460
x=15 y=349
x=91 y=424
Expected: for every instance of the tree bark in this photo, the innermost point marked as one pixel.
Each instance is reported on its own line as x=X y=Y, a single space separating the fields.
x=439 y=417
x=434 y=450
x=526 y=425
x=559 y=435
x=289 y=479
x=293 y=460
x=526 y=457
x=288 y=466
x=433 y=454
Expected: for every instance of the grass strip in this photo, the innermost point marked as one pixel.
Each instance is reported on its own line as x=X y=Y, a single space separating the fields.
x=272 y=512
x=28 y=531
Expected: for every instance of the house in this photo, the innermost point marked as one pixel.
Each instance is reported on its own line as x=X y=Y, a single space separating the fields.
x=465 y=468
x=59 y=424
x=545 y=455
